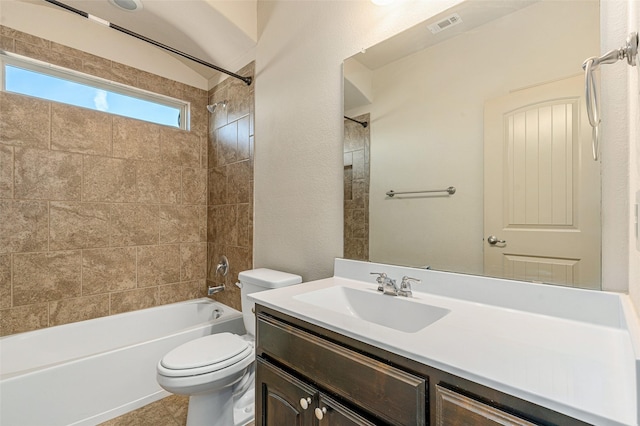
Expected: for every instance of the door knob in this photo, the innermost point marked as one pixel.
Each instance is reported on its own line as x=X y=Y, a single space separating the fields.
x=493 y=240
x=305 y=402
x=320 y=412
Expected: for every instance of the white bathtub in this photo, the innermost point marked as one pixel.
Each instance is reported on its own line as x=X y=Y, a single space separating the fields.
x=88 y=372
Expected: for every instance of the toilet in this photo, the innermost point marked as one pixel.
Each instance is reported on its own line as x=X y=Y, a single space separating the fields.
x=217 y=371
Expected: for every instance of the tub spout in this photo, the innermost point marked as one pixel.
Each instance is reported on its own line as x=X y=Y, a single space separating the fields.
x=216 y=289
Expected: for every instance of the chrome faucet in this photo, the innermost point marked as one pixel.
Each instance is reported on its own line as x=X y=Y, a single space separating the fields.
x=388 y=286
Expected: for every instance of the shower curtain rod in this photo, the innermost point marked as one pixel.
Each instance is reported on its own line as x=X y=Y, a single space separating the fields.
x=247 y=80
x=362 y=123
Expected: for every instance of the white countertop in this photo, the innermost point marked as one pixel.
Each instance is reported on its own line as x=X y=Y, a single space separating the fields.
x=584 y=368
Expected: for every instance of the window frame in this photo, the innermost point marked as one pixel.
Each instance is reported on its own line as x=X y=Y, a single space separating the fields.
x=56 y=71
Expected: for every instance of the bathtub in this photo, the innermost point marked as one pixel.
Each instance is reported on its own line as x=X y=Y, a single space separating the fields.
x=88 y=372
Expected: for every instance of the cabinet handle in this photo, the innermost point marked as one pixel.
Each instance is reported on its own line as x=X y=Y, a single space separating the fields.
x=320 y=412
x=305 y=402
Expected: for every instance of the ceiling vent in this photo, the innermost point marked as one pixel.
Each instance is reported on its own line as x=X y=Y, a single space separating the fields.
x=128 y=5
x=446 y=23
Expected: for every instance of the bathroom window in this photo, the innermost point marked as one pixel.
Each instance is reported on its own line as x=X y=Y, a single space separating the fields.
x=34 y=78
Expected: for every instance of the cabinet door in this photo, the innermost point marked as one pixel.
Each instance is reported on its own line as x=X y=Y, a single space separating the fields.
x=278 y=398
x=454 y=409
x=331 y=413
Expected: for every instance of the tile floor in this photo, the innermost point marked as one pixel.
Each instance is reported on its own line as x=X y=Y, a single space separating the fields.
x=170 y=411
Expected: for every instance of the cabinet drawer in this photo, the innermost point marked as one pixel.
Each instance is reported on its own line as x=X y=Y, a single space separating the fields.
x=391 y=394
x=453 y=408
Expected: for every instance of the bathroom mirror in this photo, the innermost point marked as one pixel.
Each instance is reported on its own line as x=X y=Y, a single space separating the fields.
x=486 y=98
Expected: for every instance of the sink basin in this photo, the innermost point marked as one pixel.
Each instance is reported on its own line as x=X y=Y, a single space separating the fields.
x=394 y=312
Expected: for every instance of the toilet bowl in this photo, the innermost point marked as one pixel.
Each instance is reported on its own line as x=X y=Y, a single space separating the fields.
x=217 y=371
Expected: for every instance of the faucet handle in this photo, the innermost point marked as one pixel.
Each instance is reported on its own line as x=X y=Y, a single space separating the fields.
x=407 y=280
x=380 y=280
x=405 y=286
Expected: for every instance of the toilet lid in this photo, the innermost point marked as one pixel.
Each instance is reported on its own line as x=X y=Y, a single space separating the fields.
x=208 y=350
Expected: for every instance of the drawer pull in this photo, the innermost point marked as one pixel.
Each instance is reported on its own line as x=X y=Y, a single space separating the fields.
x=305 y=402
x=320 y=412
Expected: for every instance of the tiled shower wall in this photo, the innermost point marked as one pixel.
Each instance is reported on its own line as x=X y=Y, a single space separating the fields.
x=99 y=214
x=230 y=196
x=356 y=188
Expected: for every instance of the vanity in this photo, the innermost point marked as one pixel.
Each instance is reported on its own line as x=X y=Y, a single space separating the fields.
x=462 y=350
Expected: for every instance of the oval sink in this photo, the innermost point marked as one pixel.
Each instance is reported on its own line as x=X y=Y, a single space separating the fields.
x=398 y=313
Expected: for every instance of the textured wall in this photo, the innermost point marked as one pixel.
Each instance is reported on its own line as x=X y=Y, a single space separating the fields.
x=299 y=160
x=99 y=214
x=230 y=194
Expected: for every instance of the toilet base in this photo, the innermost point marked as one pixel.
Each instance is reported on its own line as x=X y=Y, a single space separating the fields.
x=211 y=409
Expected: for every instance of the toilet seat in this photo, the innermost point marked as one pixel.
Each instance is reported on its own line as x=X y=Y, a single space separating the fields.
x=205 y=355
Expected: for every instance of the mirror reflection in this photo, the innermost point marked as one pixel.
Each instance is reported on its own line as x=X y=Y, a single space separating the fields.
x=488 y=98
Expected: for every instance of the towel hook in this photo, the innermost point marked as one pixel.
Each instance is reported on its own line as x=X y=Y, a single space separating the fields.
x=628 y=51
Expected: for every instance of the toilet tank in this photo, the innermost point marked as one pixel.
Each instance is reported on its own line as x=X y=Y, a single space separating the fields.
x=256 y=280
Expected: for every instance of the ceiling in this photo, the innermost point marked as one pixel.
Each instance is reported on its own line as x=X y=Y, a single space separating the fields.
x=218 y=32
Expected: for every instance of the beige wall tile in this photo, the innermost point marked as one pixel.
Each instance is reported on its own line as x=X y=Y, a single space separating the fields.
x=158 y=183
x=136 y=139
x=193 y=261
x=194 y=186
x=186 y=290
x=358 y=164
x=164 y=86
x=25 y=121
x=75 y=225
x=134 y=224
x=217 y=186
x=80 y=130
x=244 y=225
x=239 y=182
x=41 y=277
x=19 y=35
x=133 y=300
x=7 y=43
x=5 y=281
x=124 y=74
x=158 y=265
x=47 y=55
x=222 y=226
x=243 y=152
x=78 y=309
x=47 y=175
x=202 y=212
x=204 y=152
x=109 y=179
x=218 y=94
x=239 y=96
x=198 y=111
x=97 y=158
x=23 y=318
x=179 y=224
x=99 y=67
x=24 y=226
x=179 y=147
x=105 y=270
x=6 y=171
x=214 y=251
x=227 y=144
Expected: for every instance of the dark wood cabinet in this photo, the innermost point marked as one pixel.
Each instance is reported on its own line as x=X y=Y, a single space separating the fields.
x=279 y=396
x=286 y=400
x=331 y=412
x=454 y=409
x=353 y=383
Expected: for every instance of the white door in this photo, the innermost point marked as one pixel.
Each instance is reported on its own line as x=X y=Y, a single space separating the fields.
x=542 y=187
